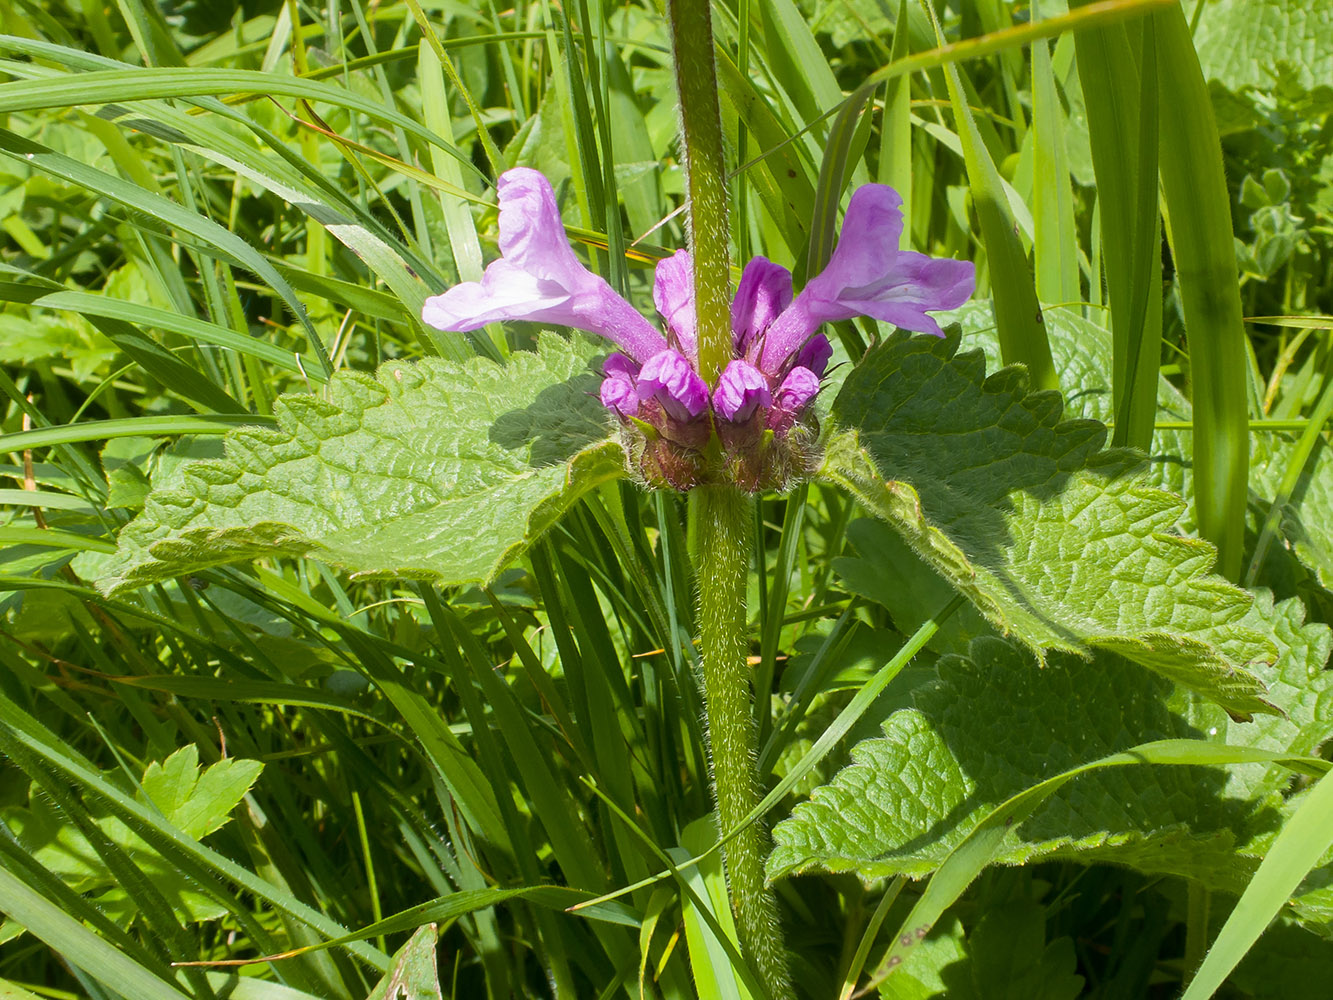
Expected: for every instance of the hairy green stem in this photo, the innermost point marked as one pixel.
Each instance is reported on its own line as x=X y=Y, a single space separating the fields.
x=705 y=180
x=722 y=531
x=720 y=515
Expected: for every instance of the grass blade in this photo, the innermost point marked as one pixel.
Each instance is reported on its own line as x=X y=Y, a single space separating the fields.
x=1018 y=315
x=1194 y=188
x=1120 y=95
x=1304 y=840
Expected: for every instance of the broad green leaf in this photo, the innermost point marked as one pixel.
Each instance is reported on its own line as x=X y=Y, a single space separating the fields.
x=414 y=974
x=1009 y=958
x=1082 y=350
x=1056 y=541
x=1305 y=524
x=198 y=800
x=1256 y=43
x=431 y=470
x=968 y=744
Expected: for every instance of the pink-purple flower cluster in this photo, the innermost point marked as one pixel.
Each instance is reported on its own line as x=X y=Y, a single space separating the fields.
x=755 y=427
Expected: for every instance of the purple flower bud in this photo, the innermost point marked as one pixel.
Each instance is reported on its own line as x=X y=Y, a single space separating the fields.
x=619 y=391
x=538 y=278
x=869 y=276
x=799 y=387
x=670 y=379
x=740 y=390
x=764 y=291
x=673 y=294
x=815 y=354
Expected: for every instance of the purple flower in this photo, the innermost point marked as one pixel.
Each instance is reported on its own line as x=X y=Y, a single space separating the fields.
x=619 y=389
x=673 y=294
x=869 y=276
x=741 y=389
x=797 y=390
x=652 y=383
x=764 y=292
x=670 y=379
x=538 y=278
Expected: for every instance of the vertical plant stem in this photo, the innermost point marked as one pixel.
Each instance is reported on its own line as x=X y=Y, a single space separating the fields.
x=705 y=180
x=722 y=538
x=721 y=514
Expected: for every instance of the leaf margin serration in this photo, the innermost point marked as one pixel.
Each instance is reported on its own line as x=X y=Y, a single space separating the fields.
x=166 y=539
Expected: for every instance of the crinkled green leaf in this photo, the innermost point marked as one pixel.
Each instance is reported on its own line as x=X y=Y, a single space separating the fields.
x=433 y=469
x=969 y=743
x=1056 y=541
x=1305 y=523
x=1256 y=43
x=1082 y=352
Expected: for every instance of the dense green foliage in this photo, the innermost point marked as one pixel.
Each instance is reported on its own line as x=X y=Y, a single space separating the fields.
x=330 y=636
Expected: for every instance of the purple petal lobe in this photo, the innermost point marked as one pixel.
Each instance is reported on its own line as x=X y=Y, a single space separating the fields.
x=815 y=354
x=764 y=291
x=669 y=378
x=741 y=389
x=619 y=390
x=673 y=294
x=797 y=389
x=869 y=276
x=793 y=395
x=538 y=278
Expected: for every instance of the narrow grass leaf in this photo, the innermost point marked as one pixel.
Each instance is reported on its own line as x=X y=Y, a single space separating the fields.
x=104 y=430
x=1056 y=241
x=1120 y=92
x=79 y=945
x=1017 y=312
x=221 y=242
x=1198 y=204
x=1298 y=850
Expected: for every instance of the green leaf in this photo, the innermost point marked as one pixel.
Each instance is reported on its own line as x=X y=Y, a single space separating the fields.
x=1255 y=43
x=1198 y=207
x=1008 y=958
x=1055 y=541
x=967 y=745
x=431 y=470
x=414 y=974
x=1304 y=840
x=197 y=800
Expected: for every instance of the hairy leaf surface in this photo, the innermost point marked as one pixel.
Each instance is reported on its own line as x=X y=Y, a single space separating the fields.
x=1056 y=541
x=433 y=469
x=969 y=743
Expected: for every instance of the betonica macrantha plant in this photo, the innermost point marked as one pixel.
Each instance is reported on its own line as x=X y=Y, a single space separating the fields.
x=755 y=428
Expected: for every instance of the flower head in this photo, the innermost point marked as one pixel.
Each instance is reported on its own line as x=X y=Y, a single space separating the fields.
x=760 y=408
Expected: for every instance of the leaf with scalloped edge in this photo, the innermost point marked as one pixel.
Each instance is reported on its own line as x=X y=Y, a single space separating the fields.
x=430 y=469
x=1082 y=352
x=1056 y=541
x=969 y=743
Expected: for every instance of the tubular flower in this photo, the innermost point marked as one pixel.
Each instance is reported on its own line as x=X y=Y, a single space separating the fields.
x=755 y=428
